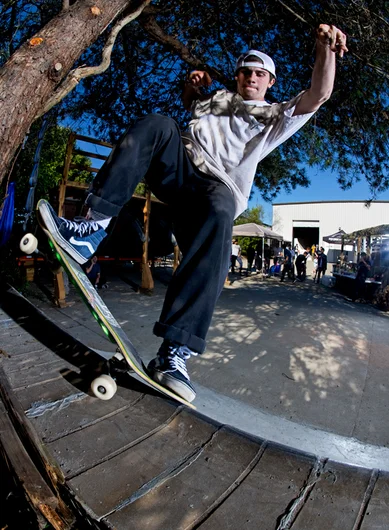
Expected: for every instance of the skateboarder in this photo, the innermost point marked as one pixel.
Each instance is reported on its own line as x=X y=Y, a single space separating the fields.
x=205 y=175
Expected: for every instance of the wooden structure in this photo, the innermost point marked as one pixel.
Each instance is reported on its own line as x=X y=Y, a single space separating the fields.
x=147 y=282
x=139 y=461
x=367 y=235
x=68 y=165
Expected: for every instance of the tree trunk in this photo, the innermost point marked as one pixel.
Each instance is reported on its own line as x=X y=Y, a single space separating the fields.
x=33 y=72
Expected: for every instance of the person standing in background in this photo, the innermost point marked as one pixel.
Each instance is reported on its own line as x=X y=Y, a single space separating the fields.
x=288 y=265
x=321 y=264
x=235 y=255
x=364 y=266
x=301 y=266
x=93 y=271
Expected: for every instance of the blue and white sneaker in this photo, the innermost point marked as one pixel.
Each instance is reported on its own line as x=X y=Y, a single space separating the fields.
x=169 y=369
x=80 y=239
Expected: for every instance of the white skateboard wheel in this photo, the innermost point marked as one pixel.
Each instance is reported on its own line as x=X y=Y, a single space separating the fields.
x=104 y=387
x=28 y=244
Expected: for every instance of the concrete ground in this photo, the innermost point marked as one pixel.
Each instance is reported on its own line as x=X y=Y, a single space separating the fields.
x=294 y=363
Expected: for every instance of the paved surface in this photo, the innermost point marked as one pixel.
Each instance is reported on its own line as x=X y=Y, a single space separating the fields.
x=293 y=352
x=138 y=461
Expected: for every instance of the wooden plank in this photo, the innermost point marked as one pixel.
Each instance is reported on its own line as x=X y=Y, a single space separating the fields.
x=79 y=151
x=46 y=392
x=152 y=198
x=25 y=345
x=92 y=140
x=26 y=431
x=59 y=289
x=34 y=330
x=42 y=498
x=181 y=499
x=124 y=474
x=84 y=168
x=147 y=279
x=336 y=499
x=66 y=417
x=24 y=361
x=176 y=261
x=79 y=451
x=265 y=495
x=79 y=185
x=39 y=373
x=376 y=516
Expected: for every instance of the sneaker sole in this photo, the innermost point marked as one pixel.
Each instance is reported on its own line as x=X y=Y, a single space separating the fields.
x=178 y=387
x=45 y=213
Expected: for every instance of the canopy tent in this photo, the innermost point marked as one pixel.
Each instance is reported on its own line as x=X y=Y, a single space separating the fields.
x=255 y=230
x=338 y=238
x=380 y=230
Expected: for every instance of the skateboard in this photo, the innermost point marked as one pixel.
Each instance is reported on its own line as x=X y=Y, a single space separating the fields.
x=104 y=387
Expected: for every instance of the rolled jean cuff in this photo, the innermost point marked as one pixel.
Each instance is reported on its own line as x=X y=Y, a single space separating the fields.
x=180 y=336
x=102 y=206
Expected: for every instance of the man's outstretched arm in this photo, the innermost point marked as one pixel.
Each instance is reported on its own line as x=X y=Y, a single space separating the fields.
x=329 y=41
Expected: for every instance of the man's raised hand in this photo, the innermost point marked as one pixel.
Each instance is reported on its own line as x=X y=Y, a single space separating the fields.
x=199 y=78
x=332 y=37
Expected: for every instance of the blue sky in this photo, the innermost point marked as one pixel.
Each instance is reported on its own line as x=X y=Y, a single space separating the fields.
x=324 y=187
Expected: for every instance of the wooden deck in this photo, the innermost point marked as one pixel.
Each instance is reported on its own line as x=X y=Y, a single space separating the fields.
x=141 y=462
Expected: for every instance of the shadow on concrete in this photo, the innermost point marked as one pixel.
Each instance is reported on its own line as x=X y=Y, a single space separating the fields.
x=87 y=362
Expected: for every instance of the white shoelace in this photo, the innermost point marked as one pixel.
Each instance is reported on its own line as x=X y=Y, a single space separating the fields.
x=179 y=364
x=177 y=356
x=81 y=227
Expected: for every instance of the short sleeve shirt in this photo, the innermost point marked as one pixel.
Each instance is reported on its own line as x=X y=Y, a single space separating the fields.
x=228 y=136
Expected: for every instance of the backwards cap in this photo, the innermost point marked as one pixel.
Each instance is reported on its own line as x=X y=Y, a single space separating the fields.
x=267 y=62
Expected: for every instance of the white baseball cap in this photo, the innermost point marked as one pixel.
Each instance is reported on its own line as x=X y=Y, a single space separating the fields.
x=267 y=62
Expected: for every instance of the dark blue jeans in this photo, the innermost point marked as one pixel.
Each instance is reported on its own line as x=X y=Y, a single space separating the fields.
x=203 y=212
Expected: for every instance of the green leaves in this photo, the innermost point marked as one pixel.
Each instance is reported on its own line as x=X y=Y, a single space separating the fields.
x=349 y=134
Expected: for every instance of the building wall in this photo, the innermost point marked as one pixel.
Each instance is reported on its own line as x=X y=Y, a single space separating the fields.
x=329 y=217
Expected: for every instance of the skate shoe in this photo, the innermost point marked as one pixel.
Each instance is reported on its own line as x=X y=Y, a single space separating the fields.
x=80 y=239
x=169 y=369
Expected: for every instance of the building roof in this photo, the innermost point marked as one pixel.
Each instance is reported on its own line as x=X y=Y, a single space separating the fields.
x=326 y=202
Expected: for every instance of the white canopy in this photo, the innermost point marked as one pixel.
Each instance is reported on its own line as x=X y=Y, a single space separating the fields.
x=255 y=230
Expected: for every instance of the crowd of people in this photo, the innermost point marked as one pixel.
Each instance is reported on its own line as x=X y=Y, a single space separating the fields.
x=293 y=260
x=255 y=260
x=291 y=264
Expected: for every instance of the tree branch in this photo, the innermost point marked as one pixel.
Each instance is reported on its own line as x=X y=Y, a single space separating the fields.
x=293 y=12
x=378 y=69
x=149 y=23
x=75 y=76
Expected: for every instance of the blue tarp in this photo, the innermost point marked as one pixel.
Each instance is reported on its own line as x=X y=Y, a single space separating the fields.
x=7 y=215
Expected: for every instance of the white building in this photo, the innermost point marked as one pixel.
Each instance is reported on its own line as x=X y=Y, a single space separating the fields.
x=306 y=223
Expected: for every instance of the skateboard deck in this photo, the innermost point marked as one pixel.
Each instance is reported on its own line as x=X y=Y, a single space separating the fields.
x=106 y=320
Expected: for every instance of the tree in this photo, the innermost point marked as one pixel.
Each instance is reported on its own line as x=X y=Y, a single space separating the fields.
x=51 y=164
x=349 y=133
x=251 y=215
x=31 y=75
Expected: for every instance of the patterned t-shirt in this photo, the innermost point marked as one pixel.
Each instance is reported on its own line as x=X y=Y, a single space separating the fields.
x=228 y=136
